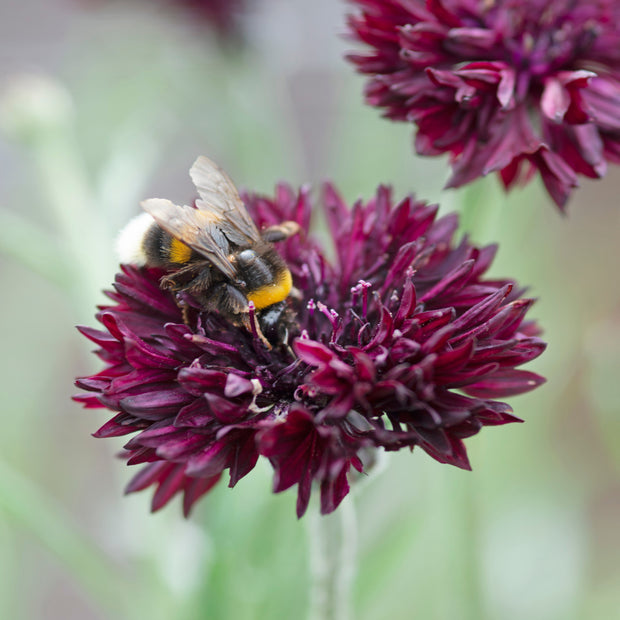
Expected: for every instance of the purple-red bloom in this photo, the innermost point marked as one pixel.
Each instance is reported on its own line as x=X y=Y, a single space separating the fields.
x=401 y=341
x=507 y=86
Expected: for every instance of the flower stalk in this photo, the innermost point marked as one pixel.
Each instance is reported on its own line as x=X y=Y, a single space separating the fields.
x=332 y=548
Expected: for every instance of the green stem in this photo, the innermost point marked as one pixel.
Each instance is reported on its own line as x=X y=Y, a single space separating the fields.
x=481 y=204
x=332 y=542
x=453 y=532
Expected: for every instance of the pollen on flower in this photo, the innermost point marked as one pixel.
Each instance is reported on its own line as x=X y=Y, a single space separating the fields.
x=400 y=342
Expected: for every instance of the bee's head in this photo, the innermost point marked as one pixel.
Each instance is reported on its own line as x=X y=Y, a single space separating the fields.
x=276 y=322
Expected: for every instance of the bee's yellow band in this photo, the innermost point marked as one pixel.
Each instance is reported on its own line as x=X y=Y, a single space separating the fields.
x=272 y=293
x=179 y=252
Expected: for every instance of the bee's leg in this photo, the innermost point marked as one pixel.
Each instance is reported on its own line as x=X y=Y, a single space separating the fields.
x=230 y=302
x=280 y=232
x=199 y=289
x=234 y=305
x=176 y=279
x=251 y=324
x=237 y=304
x=174 y=282
x=227 y=300
x=183 y=307
x=184 y=311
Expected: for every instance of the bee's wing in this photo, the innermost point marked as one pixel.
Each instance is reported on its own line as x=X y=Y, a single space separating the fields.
x=198 y=228
x=219 y=195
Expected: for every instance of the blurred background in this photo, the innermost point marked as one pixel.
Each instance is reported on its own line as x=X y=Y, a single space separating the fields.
x=104 y=103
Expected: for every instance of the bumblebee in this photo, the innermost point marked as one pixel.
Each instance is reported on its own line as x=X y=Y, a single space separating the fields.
x=214 y=253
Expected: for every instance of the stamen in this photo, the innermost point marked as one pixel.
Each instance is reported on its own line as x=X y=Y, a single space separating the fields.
x=394 y=299
x=364 y=286
x=252 y=319
x=330 y=313
x=334 y=318
x=257 y=387
x=199 y=325
x=311 y=323
x=360 y=287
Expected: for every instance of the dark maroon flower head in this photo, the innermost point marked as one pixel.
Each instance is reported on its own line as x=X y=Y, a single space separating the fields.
x=508 y=86
x=401 y=341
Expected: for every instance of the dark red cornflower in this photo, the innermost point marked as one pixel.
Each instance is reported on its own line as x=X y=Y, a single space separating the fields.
x=400 y=341
x=508 y=86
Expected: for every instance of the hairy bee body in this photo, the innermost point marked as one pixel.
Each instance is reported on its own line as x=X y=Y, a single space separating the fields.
x=214 y=253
